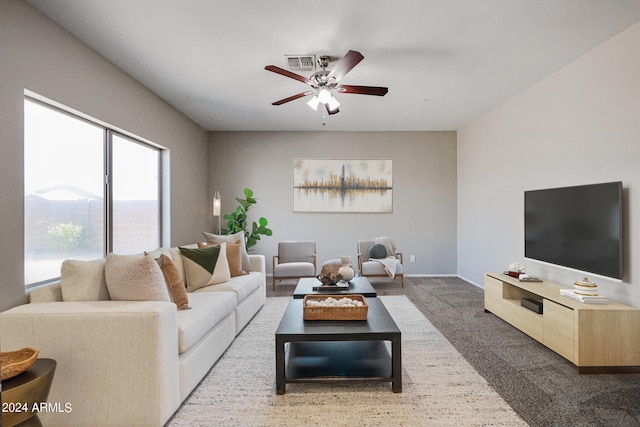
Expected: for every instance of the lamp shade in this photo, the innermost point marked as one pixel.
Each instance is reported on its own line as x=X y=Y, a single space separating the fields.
x=216 y=204
x=313 y=103
x=324 y=96
x=333 y=103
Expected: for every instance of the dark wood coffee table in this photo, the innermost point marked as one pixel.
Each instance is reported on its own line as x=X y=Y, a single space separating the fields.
x=357 y=285
x=338 y=351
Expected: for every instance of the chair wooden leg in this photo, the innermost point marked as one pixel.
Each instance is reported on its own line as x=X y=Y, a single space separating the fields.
x=402 y=278
x=273 y=283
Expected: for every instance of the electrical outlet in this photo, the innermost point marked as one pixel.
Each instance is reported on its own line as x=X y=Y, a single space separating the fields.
x=412 y=258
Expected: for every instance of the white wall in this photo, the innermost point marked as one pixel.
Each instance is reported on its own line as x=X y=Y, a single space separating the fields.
x=36 y=54
x=423 y=222
x=580 y=125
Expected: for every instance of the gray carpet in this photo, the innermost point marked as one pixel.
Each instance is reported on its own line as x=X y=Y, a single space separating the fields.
x=542 y=387
x=439 y=387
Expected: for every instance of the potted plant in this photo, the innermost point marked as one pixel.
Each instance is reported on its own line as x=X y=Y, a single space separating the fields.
x=237 y=221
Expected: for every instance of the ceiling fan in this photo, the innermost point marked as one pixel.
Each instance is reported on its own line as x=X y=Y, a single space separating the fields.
x=324 y=82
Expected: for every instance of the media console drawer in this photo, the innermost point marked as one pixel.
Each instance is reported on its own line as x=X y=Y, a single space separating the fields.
x=524 y=319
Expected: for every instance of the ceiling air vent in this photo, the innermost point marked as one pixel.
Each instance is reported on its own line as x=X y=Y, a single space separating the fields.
x=300 y=62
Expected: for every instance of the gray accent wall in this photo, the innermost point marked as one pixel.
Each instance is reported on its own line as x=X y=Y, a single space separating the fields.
x=423 y=221
x=578 y=126
x=37 y=55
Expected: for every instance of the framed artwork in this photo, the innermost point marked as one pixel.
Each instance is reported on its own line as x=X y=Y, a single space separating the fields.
x=343 y=185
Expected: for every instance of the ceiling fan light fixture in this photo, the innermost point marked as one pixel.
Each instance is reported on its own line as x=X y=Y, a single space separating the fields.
x=313 y=102
x=333 y=103
x=322 y=83
x=324 y=96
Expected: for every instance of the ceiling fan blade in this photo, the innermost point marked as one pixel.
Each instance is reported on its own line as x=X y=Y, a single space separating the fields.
x=335 y=111
x=344 y=65
x=292 y=98
x=363 y=90
x=287 y=73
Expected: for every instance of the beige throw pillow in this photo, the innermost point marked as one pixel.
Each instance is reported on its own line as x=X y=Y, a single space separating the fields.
x=231 y=238
x=83 y=280
x=135 y=278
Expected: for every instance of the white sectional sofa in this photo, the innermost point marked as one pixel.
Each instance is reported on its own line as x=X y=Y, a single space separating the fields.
x=131 y=363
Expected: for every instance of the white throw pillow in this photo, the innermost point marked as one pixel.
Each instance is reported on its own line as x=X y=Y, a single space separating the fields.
x=83 y=280
x=135 y=278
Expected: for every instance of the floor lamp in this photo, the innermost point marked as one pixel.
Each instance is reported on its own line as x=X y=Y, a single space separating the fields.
x=216 y=208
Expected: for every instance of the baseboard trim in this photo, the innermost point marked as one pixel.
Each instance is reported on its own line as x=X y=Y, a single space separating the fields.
x=477 y=285
x=430 y=275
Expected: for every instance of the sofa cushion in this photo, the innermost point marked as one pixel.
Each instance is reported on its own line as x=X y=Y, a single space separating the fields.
x=232 y=238
x=134 y=278
x=241 y=286
x=48 y=293
x=83 y=280
x=294 y=269
x=207 y=309
x=205 y=266
x=175 y=284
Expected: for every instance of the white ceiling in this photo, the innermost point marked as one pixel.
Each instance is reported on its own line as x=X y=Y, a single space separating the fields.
x=445 y=61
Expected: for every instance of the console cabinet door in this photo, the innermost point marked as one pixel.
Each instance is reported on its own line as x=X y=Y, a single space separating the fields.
x=558 y=329
x=493 y=295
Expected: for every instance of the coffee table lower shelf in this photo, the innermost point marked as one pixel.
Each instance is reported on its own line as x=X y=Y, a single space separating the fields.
x=334 y=351
x=338 y=361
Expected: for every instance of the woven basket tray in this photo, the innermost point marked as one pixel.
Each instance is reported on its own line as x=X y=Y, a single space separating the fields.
x=334 y=313
x=16 y=362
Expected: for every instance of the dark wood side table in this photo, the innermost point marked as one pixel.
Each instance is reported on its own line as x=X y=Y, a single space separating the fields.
x=22 y=392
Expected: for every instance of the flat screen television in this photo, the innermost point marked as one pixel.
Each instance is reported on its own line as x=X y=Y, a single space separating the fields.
x=577 y=227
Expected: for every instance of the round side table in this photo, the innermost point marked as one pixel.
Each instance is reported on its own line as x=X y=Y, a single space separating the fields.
x=20 y=393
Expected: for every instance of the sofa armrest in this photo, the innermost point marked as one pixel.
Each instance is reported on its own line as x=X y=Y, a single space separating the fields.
x=109 y=355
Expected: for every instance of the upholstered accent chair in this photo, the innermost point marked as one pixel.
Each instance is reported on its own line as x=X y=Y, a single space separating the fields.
x=378 y=262
x=295 y=259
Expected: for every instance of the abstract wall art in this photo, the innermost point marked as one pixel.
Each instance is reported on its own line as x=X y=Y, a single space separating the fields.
x=343 y=185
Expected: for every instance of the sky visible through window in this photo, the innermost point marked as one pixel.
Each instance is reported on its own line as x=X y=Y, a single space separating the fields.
x=65 y=151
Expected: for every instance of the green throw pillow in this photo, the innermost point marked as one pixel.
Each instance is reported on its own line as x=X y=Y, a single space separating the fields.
x=205 y=266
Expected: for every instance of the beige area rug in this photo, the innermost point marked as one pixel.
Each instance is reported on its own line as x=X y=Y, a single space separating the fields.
x=439 y=387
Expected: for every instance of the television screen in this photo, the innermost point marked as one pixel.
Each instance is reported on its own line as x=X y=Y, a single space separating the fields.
x=577 y=227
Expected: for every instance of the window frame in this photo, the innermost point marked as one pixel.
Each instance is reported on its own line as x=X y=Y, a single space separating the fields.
x=108 y=132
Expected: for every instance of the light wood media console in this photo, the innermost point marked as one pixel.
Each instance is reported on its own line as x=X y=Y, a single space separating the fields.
x=595 y=337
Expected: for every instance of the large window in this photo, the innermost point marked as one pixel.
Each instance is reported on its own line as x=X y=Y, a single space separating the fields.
x=88 y=191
